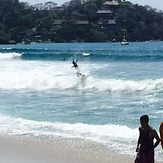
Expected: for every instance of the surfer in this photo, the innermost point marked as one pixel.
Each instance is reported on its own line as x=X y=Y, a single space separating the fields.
x=63 y=59
x=75 y=65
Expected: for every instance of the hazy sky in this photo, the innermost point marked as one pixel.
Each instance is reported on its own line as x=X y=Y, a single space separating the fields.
x=158 y=4
x=32 y=2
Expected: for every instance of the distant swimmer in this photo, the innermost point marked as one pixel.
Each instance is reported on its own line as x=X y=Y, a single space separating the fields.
x=63 y=59
x=75 y=65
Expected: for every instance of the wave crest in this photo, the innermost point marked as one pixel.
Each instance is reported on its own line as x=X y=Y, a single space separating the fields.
x=43 y=81
x=12 y=55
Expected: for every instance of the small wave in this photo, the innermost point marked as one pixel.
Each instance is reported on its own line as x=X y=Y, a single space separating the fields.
x=38 y=80
x=85 y=54
x=115 y=137
x=126 y=57
x=47 y=56
x=8 y=48
x=10 y=55
x=19 y=126
x=128 y=86
x=51 y=54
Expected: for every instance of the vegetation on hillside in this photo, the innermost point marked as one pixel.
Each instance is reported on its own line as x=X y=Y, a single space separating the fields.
x=21 y=23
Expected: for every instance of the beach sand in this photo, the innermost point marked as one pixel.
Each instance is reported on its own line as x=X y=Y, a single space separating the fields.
x=14 y=150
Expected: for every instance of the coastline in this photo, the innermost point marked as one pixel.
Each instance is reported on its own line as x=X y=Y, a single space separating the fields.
x=14 y=150
x=25 y=149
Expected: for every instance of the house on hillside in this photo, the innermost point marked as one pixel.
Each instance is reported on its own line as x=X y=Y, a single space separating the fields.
x=81 y=22
x=111 y=5
x=105 y=15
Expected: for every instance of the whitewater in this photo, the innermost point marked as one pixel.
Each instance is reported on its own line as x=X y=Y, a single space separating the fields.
x=42 y=96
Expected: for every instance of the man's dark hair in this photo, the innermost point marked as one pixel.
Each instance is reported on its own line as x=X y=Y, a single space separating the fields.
x=144 y=117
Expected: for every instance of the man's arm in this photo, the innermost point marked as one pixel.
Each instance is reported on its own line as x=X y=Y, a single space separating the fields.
x=155 y=135
x=138 y=143
x=161 y=133
x=137 y=147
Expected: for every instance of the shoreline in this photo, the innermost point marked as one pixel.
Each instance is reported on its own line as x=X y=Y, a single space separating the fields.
x=23 y=149
x=14 y=150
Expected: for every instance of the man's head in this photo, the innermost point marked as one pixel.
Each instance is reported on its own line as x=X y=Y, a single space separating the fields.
x=144 y=120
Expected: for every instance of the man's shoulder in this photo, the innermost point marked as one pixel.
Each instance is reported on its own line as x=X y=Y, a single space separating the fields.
x=153 y=132
x=151 y=128
x=148 y=129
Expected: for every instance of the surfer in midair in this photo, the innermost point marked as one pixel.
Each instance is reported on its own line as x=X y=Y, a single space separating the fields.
x=75 y=65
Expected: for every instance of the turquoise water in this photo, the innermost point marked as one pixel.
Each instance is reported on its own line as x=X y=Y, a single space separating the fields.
x=41 y=95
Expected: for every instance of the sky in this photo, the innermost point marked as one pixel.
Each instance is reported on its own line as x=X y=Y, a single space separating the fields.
x=158 y=4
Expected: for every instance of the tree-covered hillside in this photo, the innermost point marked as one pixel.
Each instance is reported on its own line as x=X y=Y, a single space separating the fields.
x=92 y=21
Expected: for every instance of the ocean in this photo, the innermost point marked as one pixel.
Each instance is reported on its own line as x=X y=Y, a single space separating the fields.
x=42 y=96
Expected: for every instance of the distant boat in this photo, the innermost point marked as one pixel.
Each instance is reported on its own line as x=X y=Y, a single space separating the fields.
x=114 y=40
x=124 y=41
x=26 y=42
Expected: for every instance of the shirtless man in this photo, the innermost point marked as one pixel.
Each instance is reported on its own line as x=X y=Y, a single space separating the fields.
x=147 y=134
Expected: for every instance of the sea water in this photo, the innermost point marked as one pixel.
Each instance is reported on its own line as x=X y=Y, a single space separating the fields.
x=41 y=94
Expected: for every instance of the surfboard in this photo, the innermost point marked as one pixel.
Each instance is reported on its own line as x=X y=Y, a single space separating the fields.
x=85 y=54
x=161 y=133
x=83 y=80
x=83 y=76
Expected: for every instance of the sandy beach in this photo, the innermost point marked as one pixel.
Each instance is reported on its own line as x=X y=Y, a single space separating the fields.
x=14 y=150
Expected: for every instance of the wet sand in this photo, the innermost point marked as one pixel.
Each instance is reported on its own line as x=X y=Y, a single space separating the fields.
x=14 y=150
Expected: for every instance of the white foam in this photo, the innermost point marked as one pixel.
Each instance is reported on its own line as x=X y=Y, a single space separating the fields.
x=109 y=134
x=52 y=77
x=41 y=75
x=115 y=137
x=9 y=55
x=129 y=86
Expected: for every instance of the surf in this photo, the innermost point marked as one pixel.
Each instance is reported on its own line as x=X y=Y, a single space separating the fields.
x=103 y=134
x=53 y=77
x=12 y=55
